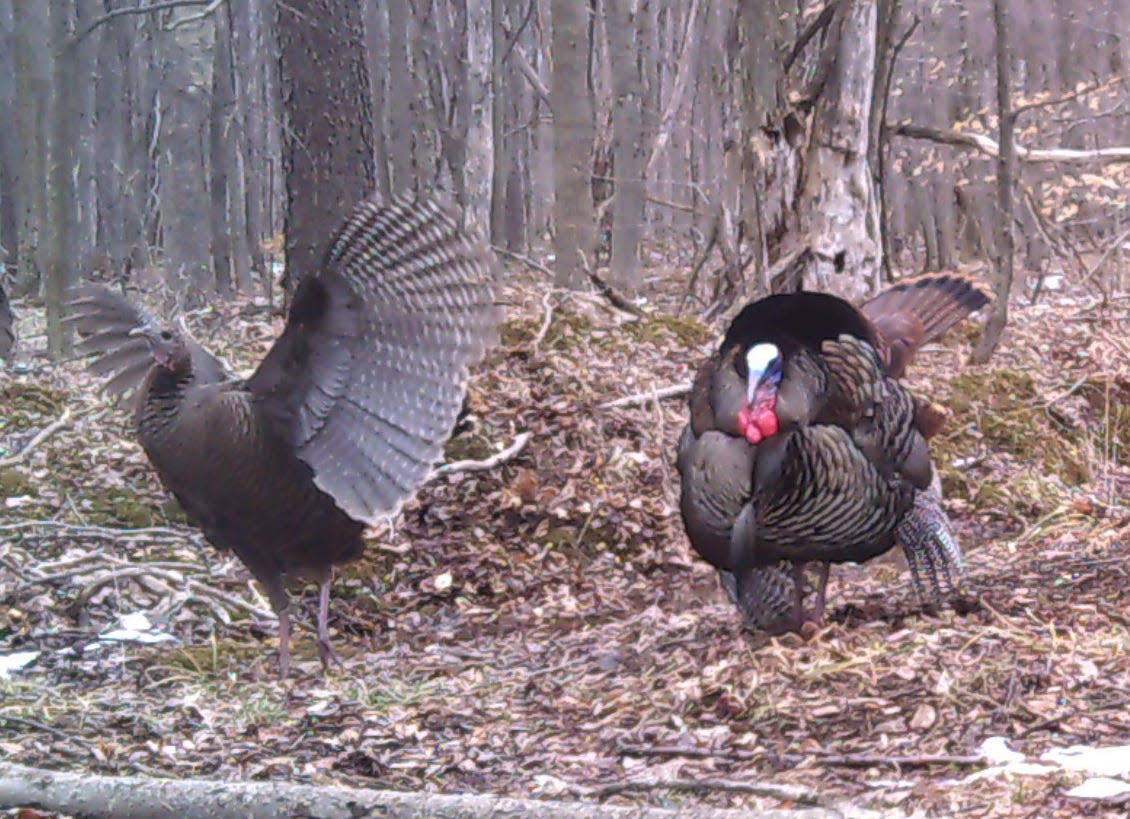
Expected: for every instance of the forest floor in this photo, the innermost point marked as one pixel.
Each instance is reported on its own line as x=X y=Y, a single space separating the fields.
x=543 y=629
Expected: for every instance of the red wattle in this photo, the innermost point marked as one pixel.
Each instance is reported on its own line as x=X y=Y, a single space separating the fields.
x=767 y=424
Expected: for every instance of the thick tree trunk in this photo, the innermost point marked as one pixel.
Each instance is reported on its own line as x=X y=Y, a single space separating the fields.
x=328 y=141
x=837 y=208
x=573 y=238
x=182 y=166
x=400 y=124
x=628 y=147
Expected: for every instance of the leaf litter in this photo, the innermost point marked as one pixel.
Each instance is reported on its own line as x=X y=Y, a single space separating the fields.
x=543 y=628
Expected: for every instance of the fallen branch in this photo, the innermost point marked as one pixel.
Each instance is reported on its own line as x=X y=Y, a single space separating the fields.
x=129 y=797
x=502 y=457
x=990 y=148
x=547 y=306
x=791 y=793
x=828 y=760
x=526 y=260
x=674 y=391
x=39 y=438
x=614 y=298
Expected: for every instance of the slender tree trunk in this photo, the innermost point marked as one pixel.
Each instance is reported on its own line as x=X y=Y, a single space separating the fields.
x=182 y=168
x=400 y=123
x=1006 y=172
x=478 y=165
x=574 y=241
x=33 y=90
x=62 y=212
x=328 y=142
x=503 y=165
x=628 y=147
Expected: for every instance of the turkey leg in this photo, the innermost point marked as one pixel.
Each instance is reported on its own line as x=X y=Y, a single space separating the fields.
x=325 y=650
x=284 y=643
x=821 y=590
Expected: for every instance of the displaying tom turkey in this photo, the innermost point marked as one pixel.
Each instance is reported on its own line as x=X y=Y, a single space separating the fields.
x=344 y=418
x=802 y=446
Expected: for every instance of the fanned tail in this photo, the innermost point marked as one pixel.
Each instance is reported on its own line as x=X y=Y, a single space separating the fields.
x=939 y=300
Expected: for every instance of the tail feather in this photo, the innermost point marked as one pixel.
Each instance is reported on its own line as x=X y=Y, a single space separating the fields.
x=939 y=300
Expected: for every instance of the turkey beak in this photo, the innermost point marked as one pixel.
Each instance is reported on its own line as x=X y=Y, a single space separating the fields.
x=763 y=385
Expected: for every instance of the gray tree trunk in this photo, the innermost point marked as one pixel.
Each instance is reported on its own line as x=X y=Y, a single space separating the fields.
x=328 y=142
x=33 y=87
x=478 y=165
x=628 y=147
x=573 y=240
x=62 y=213
x=400 y=124
x=182 y=166
x=1006 y=173
x=837 y=209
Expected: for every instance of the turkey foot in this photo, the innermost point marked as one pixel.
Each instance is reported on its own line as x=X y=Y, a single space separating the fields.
x=325 y=650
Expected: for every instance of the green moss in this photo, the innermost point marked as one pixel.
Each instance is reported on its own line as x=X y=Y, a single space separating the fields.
x=687 y=332
x=468 y=448
x=133 y=513
x=27 y=405
x=14 y=484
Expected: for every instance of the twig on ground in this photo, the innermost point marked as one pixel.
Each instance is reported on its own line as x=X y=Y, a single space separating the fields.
x=47 y=729
x=1086 y=708
x=39 y=438
x=790 y=793
x=547 y=319
x=526 y=260
x=829 y=760
x=498 y=458
x=674 y=391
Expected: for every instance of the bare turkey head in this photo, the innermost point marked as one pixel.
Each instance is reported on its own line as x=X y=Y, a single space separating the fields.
x=167 y=346
x=757 y=420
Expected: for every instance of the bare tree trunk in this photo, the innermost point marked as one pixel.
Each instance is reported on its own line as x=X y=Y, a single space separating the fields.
x=628 y=147
x=9 y=147
x=182 y=166
x=32 y=94
x=400 y=123
x=377 y=51
x=1006 y=172
x=478 y=164
x=837 y=206
x=328 y=144
x=62 y=215
x=573 y=237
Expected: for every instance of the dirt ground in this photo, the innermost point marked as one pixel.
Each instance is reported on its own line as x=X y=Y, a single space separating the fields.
x=543 y=629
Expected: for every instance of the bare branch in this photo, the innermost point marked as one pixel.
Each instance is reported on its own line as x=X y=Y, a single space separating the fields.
x=195 y=18
x=39 y=438
x=497 y=459
x=674 y=391
x=990 y=148
x=1082 y=92
x=526 y=260
x=162 y=6
x=823 y=19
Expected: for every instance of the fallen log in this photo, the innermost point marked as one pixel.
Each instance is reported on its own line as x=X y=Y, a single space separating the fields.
x=133 y=797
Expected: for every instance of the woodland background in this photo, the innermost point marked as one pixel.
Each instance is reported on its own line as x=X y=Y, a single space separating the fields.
x=540 y=628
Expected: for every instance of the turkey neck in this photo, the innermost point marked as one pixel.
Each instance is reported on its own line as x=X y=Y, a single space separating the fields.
x=163 y=399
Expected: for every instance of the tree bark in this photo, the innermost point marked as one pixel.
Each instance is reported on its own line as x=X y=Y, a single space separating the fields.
x=478 y=165
x=573 y=237
x=62 y=213
x=33 y=87
x=1006 y=172
x=627 y=145
x=328 y=142
x=131 y=797
x=837 y=209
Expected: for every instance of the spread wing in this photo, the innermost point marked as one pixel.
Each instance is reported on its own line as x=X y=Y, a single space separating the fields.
x=103 y=320
x=367 y=379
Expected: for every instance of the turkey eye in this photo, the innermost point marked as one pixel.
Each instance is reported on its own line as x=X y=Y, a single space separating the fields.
x=166 y=335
